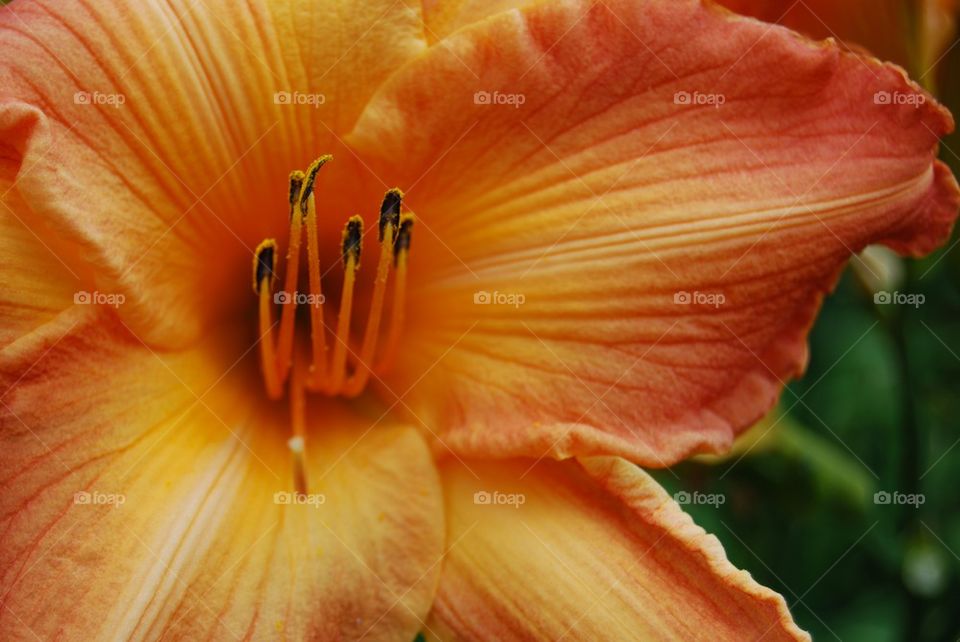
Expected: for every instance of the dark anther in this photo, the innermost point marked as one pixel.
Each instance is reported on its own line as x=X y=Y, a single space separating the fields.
x=309 y=180
x=352 y=240
x=402 y=242
x=390 y=210
x=264 y=266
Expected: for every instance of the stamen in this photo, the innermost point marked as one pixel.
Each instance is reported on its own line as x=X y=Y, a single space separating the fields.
x=264 y=276
x=285 y=343
x=264 y=264
x=389 y=225
x=390 y=210
x=308 y=208
x=280 y=360
x=402 y=245
x=350 y=250
x=401 y=248
x=351 y=242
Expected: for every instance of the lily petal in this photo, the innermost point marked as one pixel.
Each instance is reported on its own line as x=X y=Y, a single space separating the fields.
x=137 y=487
x=615 y=266
x=39 y=274
x=176 y=126
x=531 y=570
x=36 y=285
x=443 y=17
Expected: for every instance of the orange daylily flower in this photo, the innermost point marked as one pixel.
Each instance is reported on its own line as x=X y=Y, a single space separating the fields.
x=624 y=217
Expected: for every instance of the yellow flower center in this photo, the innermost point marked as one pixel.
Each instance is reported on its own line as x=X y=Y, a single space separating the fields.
x=345 y=368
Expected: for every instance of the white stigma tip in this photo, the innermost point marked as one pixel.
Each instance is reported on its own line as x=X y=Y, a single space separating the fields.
x=296 y=444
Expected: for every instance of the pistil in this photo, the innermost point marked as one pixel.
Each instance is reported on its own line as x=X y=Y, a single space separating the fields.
x=298 y=414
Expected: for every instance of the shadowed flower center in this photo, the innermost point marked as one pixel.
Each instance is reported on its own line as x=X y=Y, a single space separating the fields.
x=335 y=364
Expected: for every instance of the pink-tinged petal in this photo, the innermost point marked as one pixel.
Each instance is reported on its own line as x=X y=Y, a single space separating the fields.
x=621 y=201
x=176 y=124
x=139 y=501
x=588 y=551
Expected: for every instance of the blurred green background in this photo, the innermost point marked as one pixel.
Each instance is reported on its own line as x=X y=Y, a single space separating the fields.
x=876 y=411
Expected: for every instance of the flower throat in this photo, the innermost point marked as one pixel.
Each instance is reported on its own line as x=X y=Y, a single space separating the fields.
x=343 y=369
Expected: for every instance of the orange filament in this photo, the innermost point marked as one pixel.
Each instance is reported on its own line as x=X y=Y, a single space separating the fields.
x=361 y=375
x=347 y=368
x=351 y=246
x=398 y=309
x=264 y=273
x=285 y=343
x=338 y=369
